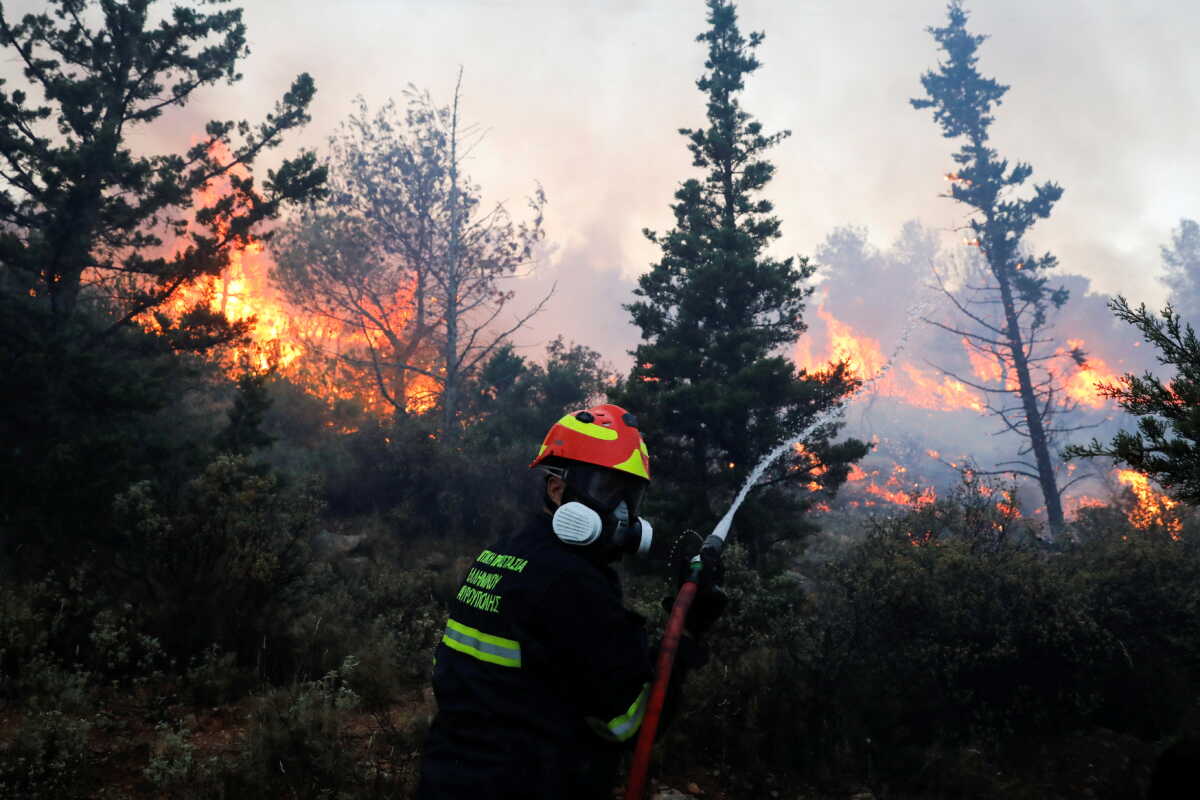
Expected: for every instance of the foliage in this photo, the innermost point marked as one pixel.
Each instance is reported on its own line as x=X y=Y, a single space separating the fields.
x=1003 y=306
x=48 y=758
x=709 y=386
x=297 y=745
x=96 y=238
x=213 y=562
x=80 y=209
x=175 y=768
x=406 y=254
x=80 y=426
x=1166 y=444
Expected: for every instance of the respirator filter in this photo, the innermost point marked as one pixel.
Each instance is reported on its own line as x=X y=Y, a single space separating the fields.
x=575 y=523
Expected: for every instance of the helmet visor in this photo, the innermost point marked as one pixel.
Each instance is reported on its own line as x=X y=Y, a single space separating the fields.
x=607 y=487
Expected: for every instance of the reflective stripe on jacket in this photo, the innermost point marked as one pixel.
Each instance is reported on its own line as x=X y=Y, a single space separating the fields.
x=541 y=674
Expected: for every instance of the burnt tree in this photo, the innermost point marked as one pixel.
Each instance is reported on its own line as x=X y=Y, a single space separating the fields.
x=1004 y=302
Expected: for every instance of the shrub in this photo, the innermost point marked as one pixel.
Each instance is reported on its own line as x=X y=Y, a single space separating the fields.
x=215 y=561
x=175 y=768
x=48 y=758
x=298 y=744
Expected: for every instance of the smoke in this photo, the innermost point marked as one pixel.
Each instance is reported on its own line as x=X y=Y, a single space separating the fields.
x=586 y=289
x=1182 y=262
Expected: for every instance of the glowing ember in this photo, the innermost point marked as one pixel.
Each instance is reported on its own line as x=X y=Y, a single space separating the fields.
x=1153 y=509
x=892 y=490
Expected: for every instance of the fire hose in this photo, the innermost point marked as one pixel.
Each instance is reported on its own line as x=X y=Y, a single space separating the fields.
x=709 y=553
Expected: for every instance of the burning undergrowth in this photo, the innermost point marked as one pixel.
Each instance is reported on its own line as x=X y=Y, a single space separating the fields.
x=329 y=356
x=928 y=417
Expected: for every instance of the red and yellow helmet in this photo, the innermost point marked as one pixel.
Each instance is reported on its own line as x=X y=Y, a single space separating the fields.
x=605 y=436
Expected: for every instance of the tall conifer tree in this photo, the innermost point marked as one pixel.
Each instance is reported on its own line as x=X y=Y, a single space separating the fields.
x=1005 y=315
x=712 y=383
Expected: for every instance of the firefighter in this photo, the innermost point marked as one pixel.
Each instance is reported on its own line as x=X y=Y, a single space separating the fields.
x=543 y=676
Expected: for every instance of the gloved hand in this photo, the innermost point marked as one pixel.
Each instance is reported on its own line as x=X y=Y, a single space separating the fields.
x=706 y=609
x=710 y=600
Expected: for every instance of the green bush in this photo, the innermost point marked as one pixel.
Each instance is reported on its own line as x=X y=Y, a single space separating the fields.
x=298 y=744
x=388 y=620
x=177 y=771
x=215 y=562
x=48 y=758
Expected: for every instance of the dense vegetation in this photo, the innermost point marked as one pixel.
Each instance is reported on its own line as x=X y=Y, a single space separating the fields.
x=215 y=584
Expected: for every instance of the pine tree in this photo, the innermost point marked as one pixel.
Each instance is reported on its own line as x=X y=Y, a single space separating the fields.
x=83 y=216
x=1166 y=444
x=711 y=387
x=97 y=236
x=1005 y=311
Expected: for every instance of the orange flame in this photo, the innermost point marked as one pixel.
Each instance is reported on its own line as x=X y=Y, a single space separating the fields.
x=865 y=359
x=1083 y=385
x=286 y=338
x=1153 y=509
x=893 y=489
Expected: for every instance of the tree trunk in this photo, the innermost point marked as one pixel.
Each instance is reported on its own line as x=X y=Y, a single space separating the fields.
x=453 y=280
x=1033 y=418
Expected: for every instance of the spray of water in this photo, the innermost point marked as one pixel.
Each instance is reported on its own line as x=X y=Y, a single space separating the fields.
x=722 y=530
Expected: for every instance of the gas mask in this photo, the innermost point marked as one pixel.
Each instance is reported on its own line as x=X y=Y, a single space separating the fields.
x=576 y=524
x=599 y=512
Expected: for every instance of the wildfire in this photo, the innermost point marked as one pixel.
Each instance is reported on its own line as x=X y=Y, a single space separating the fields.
x=987 y=369
x=861 y=353
x=285 y=338
x=865 y=359
x=1153 y=509
x=1083 y=385
x=892 y=490
x=1074 y=505
x=940 y=392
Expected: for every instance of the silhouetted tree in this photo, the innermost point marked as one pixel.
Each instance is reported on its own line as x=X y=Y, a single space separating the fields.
x=1004 y=304
x=81 y=210
x=97 y=237
x=710 y=386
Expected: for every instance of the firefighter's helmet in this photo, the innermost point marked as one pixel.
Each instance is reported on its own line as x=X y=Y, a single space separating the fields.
x=603 y=436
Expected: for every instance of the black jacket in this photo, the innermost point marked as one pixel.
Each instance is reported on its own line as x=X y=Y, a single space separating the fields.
x=541 y=677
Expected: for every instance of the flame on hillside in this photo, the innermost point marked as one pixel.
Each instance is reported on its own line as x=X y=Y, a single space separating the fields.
x=894 y=490
x=301 y=346
x=931 y=389
x=1153 y=508
x=864 y=359
x=1083 y=384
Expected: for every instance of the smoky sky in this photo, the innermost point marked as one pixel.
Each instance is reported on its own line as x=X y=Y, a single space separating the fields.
x=586 y=98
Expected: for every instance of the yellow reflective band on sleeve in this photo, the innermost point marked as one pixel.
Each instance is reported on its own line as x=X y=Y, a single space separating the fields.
x=480 y=645
x=588 y=428
x=620 y=729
